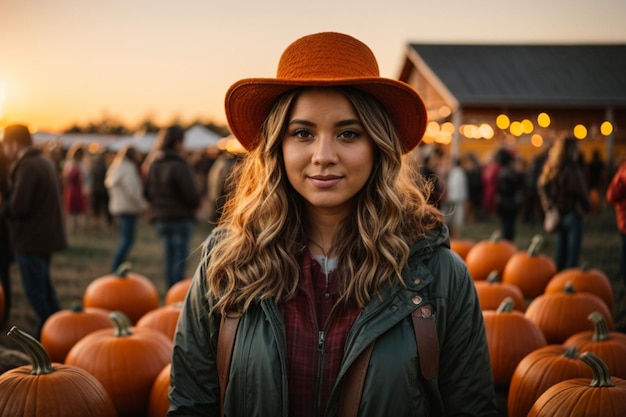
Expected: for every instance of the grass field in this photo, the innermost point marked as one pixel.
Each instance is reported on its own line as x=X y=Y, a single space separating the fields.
x=90 y=252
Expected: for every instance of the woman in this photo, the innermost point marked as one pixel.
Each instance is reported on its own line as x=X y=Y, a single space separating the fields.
x=325 y=249
x=562 y=184
x=126 y=201
x=174 y=197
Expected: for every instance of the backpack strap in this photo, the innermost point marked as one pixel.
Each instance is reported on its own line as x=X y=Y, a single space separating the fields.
x=427 y=340
x=225 y=343
x=425 y=330
x=352 y=387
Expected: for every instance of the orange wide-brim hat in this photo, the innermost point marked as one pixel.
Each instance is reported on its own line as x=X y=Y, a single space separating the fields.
x=324 y=60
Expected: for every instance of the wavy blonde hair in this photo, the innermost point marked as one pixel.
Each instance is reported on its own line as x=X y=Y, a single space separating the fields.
x=263 y=233
x=563 y=150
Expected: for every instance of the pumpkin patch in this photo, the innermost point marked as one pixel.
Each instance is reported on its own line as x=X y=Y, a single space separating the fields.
x=126 y=360
x=53 y=390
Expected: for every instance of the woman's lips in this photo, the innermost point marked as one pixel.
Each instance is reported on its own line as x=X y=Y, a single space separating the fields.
x=325 y=181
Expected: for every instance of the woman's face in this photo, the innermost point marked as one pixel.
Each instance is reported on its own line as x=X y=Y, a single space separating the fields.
x=327 y=153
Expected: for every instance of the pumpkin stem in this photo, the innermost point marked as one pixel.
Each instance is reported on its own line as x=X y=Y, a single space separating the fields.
x=569 y=288
x=493 y=276
x=600 y=327
x=571 y=352
x=123 y=270
x=601 y=375
x=535 y=245
x=495 y=236
x=77 y=306
x=121 y=322
x=506 y=306
x=38 y=355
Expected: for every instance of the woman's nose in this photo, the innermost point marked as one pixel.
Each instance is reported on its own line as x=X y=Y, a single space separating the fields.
x=325 y=151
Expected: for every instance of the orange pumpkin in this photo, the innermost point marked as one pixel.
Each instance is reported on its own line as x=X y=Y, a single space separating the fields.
x=583 y=397
x=53 y=390
x=163 y=319
x=608 y=345
x=126 y=360
x=560 y=315
x=131 y=293
x=510 y=337
x=159 y=400
x=538 y=371
x=584 y=279
x=178 y=291
x=491 y=292
x=461 y=246
x=530 y=270
x=488 y=255
x=66 y=327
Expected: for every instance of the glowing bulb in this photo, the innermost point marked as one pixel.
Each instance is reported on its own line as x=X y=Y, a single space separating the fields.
x=606 y=128
x=447 y=127
x=536 y=140
x=502 y=121
x=543 y=120
x=527 y=126
x=516 y=129
x=486 y=131
x=433 y=128
x=580 y=131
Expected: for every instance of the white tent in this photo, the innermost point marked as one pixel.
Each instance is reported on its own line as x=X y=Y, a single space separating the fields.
x=142 y=142
x=198 y=138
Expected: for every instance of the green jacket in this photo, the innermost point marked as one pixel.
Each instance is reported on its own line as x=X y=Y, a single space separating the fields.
x=393 y=385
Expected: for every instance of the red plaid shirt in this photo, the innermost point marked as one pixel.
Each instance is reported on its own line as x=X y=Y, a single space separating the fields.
x=316 y=335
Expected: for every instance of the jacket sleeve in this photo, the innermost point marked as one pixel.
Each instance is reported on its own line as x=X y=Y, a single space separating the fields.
x=465 y=377
x=616 y=191
x=194 y=384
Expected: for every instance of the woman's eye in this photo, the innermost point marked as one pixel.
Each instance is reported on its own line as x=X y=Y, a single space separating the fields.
x=349 y=134
x=302 y=133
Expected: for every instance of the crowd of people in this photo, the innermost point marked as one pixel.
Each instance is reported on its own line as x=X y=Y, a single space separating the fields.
x=114 y=190
x=117 y=189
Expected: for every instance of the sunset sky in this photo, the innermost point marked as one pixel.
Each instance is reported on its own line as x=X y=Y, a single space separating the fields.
x=67 y=62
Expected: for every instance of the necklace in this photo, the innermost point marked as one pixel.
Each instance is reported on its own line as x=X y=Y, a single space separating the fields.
x=320 y=247
x=325 y=259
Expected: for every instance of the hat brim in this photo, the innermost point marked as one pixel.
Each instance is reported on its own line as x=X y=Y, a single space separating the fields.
x=249 y=101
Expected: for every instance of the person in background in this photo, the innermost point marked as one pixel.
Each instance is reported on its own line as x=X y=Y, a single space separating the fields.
x=74 y=197
x=510 y=189
x=471 y=166
x=99 y=191
x=489 y=176
x=562 y=184
x=329 y=253
x=532 y=208
x=457 y=191
x=173 y=194
x=6 y=253
x=616 y=196
x=36 y=229
x=596 y=179
x=126 y=201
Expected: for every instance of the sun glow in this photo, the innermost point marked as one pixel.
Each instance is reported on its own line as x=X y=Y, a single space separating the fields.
x=3 y=94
